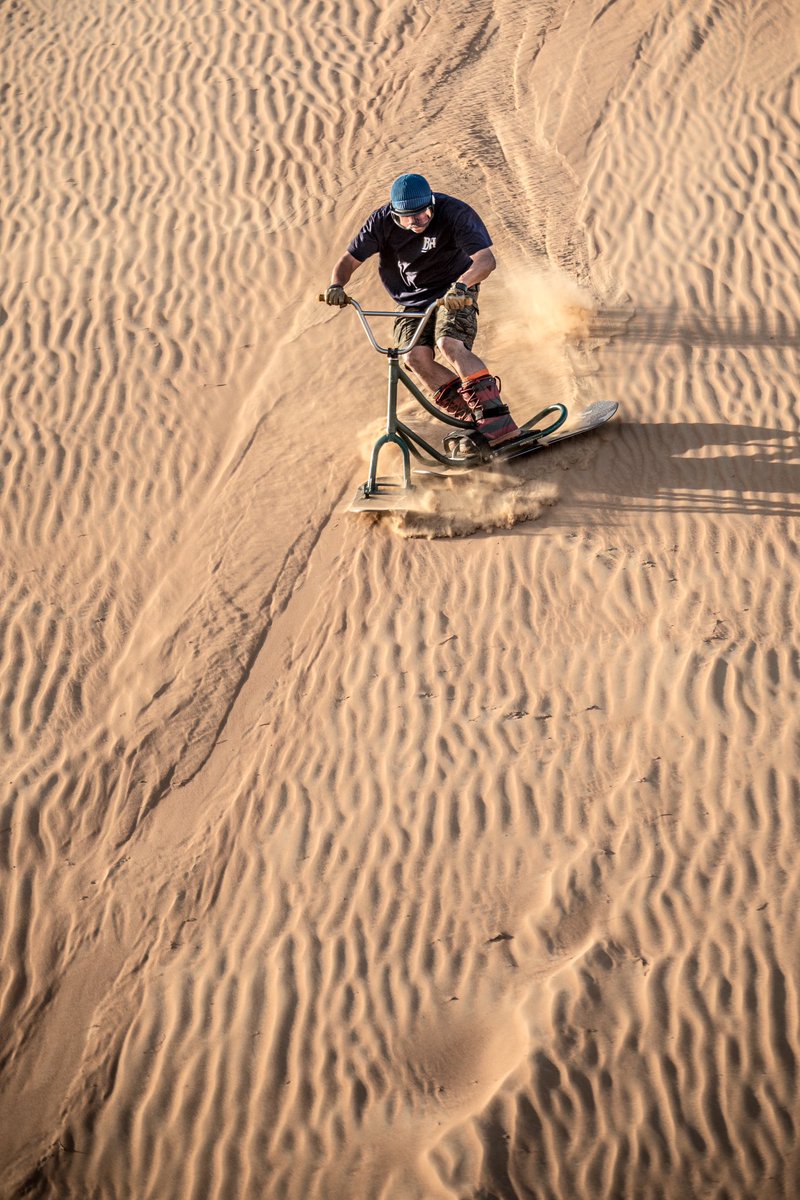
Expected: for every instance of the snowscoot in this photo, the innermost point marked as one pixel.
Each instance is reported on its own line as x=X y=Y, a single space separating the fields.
x=392 y=493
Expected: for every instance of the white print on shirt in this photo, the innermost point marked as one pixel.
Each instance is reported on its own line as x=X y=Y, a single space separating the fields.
x=428 y=244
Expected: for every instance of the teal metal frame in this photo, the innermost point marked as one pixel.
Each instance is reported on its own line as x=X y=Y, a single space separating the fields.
x=402 y=435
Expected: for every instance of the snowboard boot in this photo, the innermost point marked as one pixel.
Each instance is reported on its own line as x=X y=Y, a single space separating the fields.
x=481 y=394
x=448 y=398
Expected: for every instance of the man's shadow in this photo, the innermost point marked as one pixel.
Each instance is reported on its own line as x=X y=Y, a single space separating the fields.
x=692 y=327
x=686 y=466
x=700 y=467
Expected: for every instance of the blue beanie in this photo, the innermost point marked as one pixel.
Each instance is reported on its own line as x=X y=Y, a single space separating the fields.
x=409 y=193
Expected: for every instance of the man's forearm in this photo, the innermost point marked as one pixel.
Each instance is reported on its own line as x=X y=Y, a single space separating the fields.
x=483 y=263
x=343 y=270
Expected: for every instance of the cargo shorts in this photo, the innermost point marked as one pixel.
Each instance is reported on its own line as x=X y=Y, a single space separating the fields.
x=461 y=325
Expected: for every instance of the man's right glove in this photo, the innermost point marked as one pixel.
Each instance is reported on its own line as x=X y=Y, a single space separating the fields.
x=336 y=295
x=458 y=296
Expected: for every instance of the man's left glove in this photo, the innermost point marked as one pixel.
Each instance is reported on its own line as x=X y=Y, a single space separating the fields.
x=459 y=296
x=336 y=294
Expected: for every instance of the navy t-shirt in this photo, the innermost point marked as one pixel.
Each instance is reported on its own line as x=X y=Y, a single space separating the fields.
x=416 y=268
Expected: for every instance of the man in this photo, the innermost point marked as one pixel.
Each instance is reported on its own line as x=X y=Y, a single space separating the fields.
x=432 y=246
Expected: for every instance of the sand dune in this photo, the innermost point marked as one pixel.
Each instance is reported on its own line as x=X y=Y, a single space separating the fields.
x=446 y=855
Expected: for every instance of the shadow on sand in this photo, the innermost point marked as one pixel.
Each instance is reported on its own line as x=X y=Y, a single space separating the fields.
x=670 y=325
x=698 y=467
x=682 y=466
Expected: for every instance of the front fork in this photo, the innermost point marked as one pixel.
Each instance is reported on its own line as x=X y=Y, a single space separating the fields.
x=391 y=434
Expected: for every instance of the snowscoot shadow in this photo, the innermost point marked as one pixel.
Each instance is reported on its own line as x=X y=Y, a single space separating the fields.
x=391 y=493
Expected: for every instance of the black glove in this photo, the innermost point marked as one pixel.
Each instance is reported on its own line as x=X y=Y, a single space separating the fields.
x=336 y=295
x=459 y=296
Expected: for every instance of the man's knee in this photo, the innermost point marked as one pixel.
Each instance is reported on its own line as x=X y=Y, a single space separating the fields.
x=453 y=349
x=418 y=358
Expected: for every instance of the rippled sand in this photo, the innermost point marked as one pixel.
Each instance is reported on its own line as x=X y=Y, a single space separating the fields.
x=450 y=855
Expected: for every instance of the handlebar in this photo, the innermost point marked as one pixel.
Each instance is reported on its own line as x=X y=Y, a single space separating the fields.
x=363 y=313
